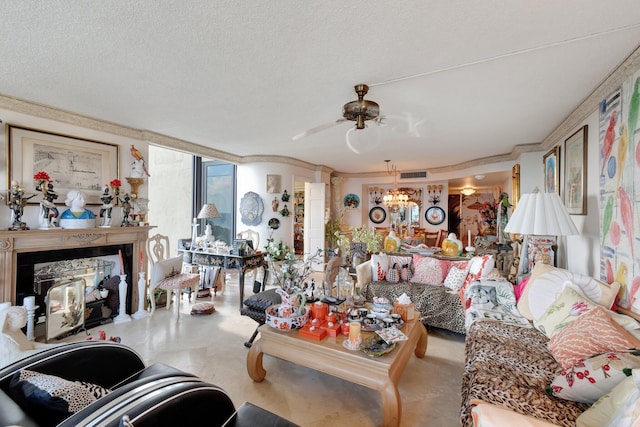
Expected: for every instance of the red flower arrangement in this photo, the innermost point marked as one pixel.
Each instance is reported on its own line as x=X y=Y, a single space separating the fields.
x=42 y=175
x=115 y=183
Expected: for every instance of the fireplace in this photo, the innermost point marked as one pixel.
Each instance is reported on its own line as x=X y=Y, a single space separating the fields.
x=20 y=250
x=26 y=284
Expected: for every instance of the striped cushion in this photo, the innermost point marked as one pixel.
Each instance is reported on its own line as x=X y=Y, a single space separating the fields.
x=180 y=281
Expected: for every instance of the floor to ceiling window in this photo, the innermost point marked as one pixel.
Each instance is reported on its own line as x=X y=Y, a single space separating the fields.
x=217 y=185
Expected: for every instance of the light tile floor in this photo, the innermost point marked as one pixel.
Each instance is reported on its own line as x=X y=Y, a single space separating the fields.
x=212 y=348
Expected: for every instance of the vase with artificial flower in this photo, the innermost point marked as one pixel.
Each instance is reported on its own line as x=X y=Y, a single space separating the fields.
x=48 y=211
x=115 y=185
x=290 y=273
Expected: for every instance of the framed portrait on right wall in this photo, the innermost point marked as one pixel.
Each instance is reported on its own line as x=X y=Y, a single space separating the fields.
x=552 y=170
x=575 y=172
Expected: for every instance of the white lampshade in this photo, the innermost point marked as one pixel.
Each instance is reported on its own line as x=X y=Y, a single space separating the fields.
x=541 y=214
x=208 y=210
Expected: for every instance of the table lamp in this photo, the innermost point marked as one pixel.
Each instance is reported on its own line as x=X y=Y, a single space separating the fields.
x=208 y=210
x=539 y=214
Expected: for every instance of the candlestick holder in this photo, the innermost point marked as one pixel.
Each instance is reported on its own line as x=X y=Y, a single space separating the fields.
x=142 y=285
x=31 y=312
x=122 y=316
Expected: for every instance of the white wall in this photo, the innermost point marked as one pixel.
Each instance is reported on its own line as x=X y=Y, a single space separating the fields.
x=253 y=177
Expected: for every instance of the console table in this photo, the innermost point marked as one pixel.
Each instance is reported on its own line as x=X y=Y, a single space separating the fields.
x=229 y=262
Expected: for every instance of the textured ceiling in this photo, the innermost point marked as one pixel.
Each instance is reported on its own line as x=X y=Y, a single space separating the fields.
x=456 y=80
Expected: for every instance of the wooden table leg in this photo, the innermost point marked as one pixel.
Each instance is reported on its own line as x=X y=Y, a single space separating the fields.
x=421 y=346
x=391 y=404
x=254 y=362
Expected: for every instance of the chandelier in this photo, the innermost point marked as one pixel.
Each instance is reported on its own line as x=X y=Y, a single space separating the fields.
x=395 y=199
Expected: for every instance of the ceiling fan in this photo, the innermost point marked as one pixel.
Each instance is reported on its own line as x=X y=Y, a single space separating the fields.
x=359 y=111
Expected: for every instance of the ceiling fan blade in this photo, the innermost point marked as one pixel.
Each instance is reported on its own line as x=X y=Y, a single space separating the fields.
x=317 y=129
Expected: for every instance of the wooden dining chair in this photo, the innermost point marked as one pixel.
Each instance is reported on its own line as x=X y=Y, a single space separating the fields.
x=431 y=238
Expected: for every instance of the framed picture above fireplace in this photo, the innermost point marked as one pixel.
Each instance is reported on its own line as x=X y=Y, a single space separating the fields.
x=73 y=163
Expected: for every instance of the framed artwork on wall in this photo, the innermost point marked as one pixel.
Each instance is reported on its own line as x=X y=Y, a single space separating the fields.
x=273 y=183
x=73 y=163
x=552 y=170
x=575 y=172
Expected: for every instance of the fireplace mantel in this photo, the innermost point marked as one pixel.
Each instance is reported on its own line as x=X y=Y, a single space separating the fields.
x=14 y=242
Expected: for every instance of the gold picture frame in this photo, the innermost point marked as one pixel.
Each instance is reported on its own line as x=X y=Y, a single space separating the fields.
x=575 y=172
x=551 y=162
x=73 y=163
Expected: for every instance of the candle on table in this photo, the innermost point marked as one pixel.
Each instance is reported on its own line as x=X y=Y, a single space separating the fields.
x=468 y=237
x=29 y=302
x=354 y=334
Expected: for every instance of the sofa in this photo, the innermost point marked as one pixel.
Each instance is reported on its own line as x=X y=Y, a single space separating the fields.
x=571 y=361
x=433 y=286
x=107 y=384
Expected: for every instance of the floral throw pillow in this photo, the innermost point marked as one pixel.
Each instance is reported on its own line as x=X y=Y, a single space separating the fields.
x=379 y=267
x=479 y=267
x=592 y=378
x=569 y=305
x=592 y=333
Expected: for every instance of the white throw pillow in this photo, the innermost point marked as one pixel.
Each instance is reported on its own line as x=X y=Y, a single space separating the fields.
x=547 y=282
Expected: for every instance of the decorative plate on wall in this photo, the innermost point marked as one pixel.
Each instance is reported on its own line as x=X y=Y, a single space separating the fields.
x=274 y=223
x=434 y=215
x=251 y=208
x=351 y=201
x=377 y=215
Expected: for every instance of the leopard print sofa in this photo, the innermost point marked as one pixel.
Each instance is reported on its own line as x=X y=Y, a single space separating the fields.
x=510 y=366
x=437 y=307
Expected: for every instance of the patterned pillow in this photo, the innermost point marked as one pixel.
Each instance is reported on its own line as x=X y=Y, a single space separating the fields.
x=379 y=267
x=456 y=276
x=50 y=397
x=570 y=304
x=593 y=332
x=428 y=271
x=545 y=285
x=589 y=380
x=479 y=267
x=617 y=408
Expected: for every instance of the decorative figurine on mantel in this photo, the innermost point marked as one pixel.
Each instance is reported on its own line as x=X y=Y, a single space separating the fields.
x=107 y=207
x=77 y=216
x=48 y=211
x=125 y=202
x=17 y=202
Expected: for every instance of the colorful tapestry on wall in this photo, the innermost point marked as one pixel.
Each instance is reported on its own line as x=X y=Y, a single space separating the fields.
x=619 y=172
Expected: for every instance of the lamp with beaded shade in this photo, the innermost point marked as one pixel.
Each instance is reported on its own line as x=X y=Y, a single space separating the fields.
x=208 y=210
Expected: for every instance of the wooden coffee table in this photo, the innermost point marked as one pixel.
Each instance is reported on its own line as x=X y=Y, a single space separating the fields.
x=329 y=356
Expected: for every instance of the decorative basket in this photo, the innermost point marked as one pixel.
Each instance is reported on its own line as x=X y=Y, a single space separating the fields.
x=281 y=317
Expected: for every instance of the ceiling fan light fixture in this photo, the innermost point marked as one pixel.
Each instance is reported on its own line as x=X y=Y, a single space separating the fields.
x=363 y=141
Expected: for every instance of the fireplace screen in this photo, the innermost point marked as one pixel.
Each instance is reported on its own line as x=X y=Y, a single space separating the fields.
x=66 y=287
x=64 y=307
